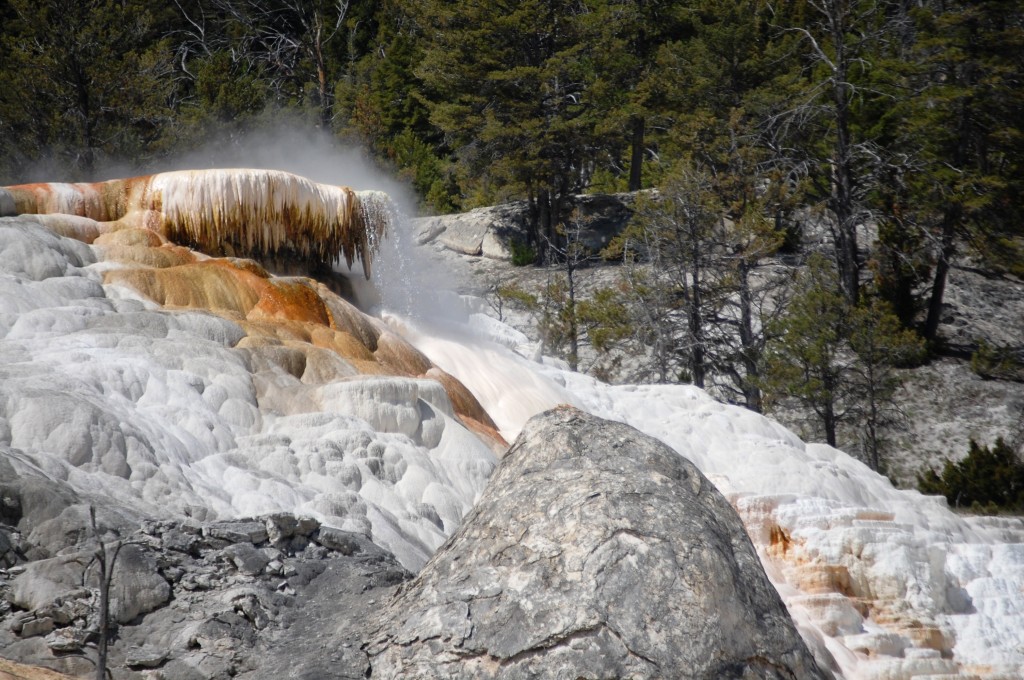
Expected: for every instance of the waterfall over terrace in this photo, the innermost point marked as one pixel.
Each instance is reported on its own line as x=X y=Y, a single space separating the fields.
x=146 y=356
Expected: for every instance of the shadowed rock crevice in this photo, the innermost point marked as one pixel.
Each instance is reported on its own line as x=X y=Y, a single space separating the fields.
x=594 y=552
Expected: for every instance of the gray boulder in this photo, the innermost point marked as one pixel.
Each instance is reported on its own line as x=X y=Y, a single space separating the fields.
x=27 y=502
x=468 y=232
x=490 y=231
x=237 y=531
x=137 y=587
x=43 y=581
x=8 y=549
x=595 y=552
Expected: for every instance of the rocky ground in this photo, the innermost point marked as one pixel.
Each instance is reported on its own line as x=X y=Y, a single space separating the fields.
x=276 y=595
x=651 y=575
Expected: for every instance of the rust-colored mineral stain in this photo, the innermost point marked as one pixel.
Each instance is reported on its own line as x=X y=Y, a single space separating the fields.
x=145 y=256
x=463 y=401
x=400 y=356
x=488 y=434
x=344 y=344
x=345 y=317
x=290 y=300
x=817 y=579
x=196 y=286
x=779 y=542
x=131 y=237
x=277 y=331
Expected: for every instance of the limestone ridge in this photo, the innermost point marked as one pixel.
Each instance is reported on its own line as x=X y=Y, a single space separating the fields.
x=594 y=552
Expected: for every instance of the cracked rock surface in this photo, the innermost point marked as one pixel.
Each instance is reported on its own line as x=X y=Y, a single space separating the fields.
x=274 y=596
x=595 y=552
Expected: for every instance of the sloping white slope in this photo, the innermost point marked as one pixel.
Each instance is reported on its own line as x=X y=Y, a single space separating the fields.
x=158 y=410
x=891 y=582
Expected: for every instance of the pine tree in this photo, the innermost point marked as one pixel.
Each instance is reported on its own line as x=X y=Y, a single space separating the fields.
x=505 y=83
x=83 y=80
x=880 y=343
x=987 y=479
x=379 y=106
x=671 y=236
x=962 y=130
x=832 y=93
x=752 y=299
x=807 y=359
x=837 y=360
x=627 y=82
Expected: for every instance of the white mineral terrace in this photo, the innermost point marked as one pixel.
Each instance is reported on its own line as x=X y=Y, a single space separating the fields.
x=103 y=389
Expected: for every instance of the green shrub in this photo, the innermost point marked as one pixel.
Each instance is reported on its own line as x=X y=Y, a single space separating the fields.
x=997 y=363
x=987 y=480
x=523 y=254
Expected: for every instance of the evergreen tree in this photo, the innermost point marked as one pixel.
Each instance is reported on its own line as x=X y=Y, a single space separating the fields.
x=378 y=104
x=962 y=130
x=505 y=83
x=294 y=47
x=752 y=299
x=880 y=343
x=626 y=81
x=988 y=478
x=84 y=80
x=837 y=359
x=671 y=237
x=807 y=359
x=830 y=142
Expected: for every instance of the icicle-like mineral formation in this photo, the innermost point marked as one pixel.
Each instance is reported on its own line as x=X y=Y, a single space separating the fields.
x=242 y=212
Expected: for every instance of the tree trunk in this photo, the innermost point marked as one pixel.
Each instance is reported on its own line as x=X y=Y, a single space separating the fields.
x=87 y=160
x=323 y=89
x=874 y=456
x=104 y=617
x=574 y=340
x=696 y=317
x=638 y=125
x=748 y=348
x=828 y=418
x=931 y=324
x=323 y=93
x=842 y=202
x=544 y=227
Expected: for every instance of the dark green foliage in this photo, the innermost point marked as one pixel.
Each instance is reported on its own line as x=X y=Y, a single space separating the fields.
x=956 y=123
x=82 y=81
x=987 y=480
x=807 y=360
x=997 y=362
x=838 y=360
x=505 y=83
x=522 y=254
